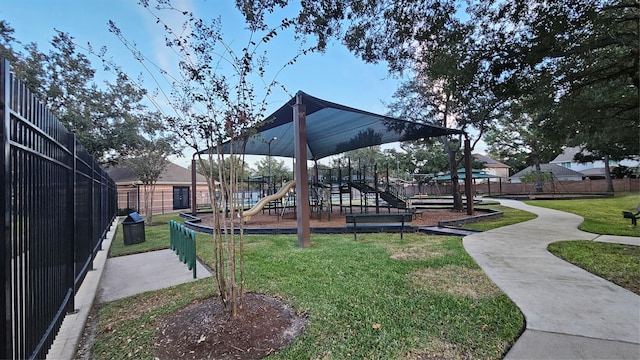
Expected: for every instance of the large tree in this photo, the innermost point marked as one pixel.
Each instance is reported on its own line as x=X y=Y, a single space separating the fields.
x=445 y=55
x=587 y=50
x=104 y=117
x=591 y=51
x=520 y=136
x=212 y=103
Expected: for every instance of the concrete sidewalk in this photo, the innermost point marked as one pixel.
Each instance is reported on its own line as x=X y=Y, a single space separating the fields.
x=117 y=278
x=129 y=275
x=570 y=313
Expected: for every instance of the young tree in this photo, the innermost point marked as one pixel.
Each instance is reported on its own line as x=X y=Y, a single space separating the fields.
x=242 y=168
x=149 y=160
x=214 y=107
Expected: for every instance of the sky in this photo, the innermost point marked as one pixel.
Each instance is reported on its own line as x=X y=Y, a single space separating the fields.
x=336 y=75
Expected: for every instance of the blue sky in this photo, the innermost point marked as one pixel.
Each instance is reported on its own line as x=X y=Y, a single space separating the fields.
x=336 y=76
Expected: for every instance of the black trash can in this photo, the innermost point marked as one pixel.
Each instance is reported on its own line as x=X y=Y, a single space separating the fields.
x=133 y=229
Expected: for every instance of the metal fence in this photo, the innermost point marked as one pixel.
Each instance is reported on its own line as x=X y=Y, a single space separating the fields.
x=58 y=206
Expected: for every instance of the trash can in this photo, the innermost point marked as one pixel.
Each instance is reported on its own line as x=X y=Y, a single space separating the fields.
x=133 y=229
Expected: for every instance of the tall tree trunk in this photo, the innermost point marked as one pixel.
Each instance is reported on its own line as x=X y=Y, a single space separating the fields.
x=607 y=174
x=149 y=202
x=453 y=169
x=539 y=184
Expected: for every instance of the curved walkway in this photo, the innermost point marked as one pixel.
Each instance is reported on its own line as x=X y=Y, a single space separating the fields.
x=570 y=313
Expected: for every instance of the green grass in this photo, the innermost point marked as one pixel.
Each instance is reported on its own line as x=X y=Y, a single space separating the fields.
x=510 y=216
x=156 y=237
x=617 y=263
x=601 y=216
x=426 y=293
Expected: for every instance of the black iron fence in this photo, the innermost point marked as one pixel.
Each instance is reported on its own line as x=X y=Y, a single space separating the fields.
x=58 y=206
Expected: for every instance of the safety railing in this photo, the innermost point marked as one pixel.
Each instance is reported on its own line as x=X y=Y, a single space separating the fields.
x=183 y=242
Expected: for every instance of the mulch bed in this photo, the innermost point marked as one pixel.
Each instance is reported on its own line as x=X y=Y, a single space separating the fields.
x=205 y=330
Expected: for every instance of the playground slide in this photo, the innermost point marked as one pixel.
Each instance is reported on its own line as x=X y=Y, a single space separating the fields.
x=247 y=214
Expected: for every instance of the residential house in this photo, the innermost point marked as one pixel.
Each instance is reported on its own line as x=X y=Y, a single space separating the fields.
x=558 y=172
x=592 y=170
x=493 y=167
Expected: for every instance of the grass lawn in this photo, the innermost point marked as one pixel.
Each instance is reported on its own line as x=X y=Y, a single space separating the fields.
x=601 y=216
x=425 y=296
x=617 y=263
x=156 y=237
x=510 y=216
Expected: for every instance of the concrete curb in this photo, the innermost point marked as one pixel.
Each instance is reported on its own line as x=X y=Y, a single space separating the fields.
x=66 y=342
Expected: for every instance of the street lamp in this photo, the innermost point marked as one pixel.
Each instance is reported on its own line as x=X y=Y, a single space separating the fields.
x=269 y=164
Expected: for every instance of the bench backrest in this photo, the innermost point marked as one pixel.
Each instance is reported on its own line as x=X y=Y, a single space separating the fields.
x=378 y=218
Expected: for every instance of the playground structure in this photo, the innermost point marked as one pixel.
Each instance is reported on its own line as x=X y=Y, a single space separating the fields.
x=346 y=188
x=279 y=195
x=313 y=128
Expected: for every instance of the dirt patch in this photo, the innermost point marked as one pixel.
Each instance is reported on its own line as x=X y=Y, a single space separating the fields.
x=428 y=249
x=204 y=330
x=456 y=280
x=439 y=350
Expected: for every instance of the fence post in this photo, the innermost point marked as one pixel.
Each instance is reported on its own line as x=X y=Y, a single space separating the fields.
x=71 y=225
x=5 y=309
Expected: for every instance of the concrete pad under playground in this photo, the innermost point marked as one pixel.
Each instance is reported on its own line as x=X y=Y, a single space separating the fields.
x=129 y=275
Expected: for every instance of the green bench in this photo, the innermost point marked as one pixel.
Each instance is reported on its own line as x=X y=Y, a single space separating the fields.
x=356 y=221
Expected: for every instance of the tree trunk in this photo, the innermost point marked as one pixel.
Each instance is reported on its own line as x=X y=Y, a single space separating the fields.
x=607 y=174
x=149 y=203
x=453 y=169
x=539 y=184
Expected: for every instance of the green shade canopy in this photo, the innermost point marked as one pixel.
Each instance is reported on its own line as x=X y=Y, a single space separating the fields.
x=333 y=129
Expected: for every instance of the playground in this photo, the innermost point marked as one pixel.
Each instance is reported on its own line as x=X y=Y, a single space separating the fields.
x=264 y=220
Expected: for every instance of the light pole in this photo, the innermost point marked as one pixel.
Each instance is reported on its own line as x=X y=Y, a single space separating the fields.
x=269 y=164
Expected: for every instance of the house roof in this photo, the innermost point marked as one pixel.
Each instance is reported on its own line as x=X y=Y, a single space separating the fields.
x=593 y=172
x=489 y=162
x=557 y=170
x=173 y=174
x=568 y=154
x=333 y=129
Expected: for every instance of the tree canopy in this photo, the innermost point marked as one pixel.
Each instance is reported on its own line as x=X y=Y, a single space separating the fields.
x=107 y=118
x=576 y=60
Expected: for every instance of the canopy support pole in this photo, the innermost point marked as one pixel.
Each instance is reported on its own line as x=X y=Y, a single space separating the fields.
x=303 y=211
x=194 y=209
